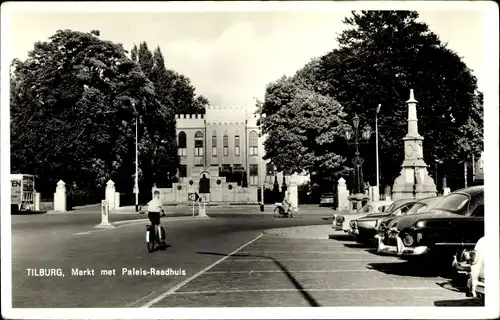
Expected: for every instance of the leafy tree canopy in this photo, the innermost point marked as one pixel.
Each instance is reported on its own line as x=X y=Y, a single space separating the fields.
x=384 y=54
x=174 y=89
x=302 y=125
x=73 y=107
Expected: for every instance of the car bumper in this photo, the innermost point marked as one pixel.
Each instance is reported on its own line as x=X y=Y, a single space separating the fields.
x=400 y=249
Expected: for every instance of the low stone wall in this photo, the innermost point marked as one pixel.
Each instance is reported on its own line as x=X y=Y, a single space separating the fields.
x=220 y=192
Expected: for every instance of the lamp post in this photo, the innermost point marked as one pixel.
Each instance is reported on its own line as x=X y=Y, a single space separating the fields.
x=376 y=151
x=357 y=160
x=136 y=176
x=437 y=161
x=261 y=176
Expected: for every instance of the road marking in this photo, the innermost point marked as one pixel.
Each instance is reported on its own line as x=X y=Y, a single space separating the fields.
x=196 y=275
x=306 y=260
x=291 y=252
x=297 y=271
x=307 y=290
x=300 y=246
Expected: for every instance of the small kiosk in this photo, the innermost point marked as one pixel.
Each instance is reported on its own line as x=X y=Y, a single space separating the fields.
x=23 y=194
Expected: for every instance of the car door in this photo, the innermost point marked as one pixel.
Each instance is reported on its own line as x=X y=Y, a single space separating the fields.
x=477 y=225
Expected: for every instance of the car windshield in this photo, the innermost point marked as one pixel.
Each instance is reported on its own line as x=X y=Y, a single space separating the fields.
x=416 y=208
x=367 y=208
x=395 y=205
x=454 y=202
x=424 y=205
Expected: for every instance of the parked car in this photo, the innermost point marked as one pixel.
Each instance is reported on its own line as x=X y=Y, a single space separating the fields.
x=364 y=229
x=424 y=204
x=375 y=206
x=471 y=263
x=326 y=200
x=456 y=222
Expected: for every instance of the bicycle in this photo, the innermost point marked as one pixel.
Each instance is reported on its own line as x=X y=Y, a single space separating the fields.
x=281 y=211
x=153 y=237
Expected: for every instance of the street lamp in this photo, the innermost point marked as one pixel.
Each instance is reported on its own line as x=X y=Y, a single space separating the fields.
x=436 y=169
x=136 y=177
x=376 y=150
x=261 y=175
x=357 y=160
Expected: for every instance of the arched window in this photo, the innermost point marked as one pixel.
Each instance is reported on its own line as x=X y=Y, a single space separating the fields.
x=237 y=145
x=253 y=143
x=182 y=144
x=214 y=144
x=225 y=143
x=198 y=144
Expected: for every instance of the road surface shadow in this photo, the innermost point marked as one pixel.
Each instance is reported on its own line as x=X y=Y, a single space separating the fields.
x=162 y=248
x=405 y=268
x=341 y=237
x=358 y=245
x=457 y=284
x=312 y=302
x=460 y=303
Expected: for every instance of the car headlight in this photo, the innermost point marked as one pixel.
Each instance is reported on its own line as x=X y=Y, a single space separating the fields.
x=420 y=224
x=472 y=257
x=408 y=240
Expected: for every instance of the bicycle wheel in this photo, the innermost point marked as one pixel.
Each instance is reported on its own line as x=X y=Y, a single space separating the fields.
x=276 y=212
x=151 y=242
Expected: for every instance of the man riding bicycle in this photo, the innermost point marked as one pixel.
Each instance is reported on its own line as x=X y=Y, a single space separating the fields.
x=154 y=211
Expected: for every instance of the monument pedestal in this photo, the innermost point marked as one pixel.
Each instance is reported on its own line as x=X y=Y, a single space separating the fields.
x=414 y=181
x=356 y=201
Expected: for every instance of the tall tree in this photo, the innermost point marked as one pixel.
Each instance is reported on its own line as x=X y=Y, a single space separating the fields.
x=302 y=126
x=145 y=59
x=133 y=53
x=174 y=89
x=80 y=96
x=384 y=54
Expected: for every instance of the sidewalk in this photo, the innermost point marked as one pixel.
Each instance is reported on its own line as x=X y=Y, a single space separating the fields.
x=312 y=232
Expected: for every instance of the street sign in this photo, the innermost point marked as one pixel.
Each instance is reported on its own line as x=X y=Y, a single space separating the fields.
x=193 y=196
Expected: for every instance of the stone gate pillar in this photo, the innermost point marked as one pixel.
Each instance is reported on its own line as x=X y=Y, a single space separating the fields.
x=60 y=197
x=110 y=194
x=342 y=195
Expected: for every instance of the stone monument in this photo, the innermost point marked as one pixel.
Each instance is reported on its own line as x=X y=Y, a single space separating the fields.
x=414 y=181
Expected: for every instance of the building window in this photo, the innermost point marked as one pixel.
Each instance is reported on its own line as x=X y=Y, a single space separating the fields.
x=254 y=174
x=225 y=143
x=198 y=144
x=237 y=146
x=183 y=171
x=253 y=143
x=270 y=173
x=182 y=144
x=214 y=144
x=225 y=170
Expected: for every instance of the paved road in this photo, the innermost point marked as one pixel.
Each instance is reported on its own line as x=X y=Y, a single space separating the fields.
x=266 y=273
x=222 y=261
x=66 y=242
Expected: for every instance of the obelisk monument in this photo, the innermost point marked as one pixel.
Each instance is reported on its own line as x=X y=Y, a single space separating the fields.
x=414 y=181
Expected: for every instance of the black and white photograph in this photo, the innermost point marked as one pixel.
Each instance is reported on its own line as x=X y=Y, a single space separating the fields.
x=247 y=159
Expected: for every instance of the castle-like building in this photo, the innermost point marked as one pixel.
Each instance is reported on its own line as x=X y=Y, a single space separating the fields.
x=216 y=150
x=226 y=138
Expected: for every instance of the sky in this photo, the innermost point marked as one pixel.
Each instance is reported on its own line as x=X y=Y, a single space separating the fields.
x=230 y=57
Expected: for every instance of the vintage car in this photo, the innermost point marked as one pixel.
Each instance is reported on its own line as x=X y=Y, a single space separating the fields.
x=326 y=200
x=471 y=263
x=456 y=222
x=424 y=204
x=364 y=229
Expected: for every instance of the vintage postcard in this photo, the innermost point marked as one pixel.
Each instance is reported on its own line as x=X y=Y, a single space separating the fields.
x=242 y=160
